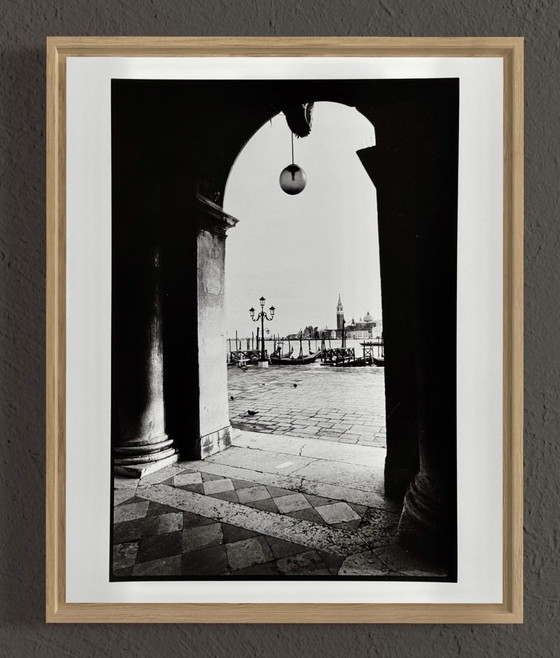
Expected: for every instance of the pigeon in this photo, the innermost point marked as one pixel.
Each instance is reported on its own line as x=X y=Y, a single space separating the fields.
x=252 y=413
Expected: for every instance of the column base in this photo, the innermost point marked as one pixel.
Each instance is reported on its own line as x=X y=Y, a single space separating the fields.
x=139 y=457
x=141 y=470
x=425 y=526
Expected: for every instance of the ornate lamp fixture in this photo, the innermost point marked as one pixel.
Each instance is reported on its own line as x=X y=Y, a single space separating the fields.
x=263 y=361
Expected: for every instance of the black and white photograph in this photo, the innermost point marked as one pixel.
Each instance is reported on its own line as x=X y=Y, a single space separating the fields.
x=284 y=329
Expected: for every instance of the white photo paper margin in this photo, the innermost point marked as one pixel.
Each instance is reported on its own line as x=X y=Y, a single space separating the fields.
x=479 y=338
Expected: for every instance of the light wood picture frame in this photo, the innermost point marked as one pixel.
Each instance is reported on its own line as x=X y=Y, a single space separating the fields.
x=507 y=51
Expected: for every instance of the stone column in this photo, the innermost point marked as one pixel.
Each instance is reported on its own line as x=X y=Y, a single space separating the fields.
x=414 y=166
x=395 y=211
x=428 y=519
x=214 y=425
x=140 y=443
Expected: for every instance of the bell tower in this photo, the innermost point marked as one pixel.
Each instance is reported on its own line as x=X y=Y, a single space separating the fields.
x=339 y=315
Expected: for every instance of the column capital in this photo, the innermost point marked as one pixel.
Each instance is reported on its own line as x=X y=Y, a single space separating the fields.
x=211 y=217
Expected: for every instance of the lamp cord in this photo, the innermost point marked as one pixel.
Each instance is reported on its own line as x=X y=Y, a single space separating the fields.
x=292 y=132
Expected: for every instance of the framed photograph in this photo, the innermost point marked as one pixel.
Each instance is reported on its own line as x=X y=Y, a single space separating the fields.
x=284 y=327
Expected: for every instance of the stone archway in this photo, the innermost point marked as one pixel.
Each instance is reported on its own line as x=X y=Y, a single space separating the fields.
x=174 y=143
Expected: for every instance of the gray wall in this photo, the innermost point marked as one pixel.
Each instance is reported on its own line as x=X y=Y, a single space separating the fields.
x=24 y=26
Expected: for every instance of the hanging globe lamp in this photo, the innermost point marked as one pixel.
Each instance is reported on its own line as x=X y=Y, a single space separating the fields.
x=293 y=178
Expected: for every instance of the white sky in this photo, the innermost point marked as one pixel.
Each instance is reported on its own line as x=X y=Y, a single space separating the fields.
x=301 y=251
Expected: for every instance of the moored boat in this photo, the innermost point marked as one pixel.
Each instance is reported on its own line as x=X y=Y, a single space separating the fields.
x=278 y=360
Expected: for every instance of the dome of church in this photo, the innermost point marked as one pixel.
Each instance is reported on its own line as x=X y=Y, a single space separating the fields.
x=368 y=317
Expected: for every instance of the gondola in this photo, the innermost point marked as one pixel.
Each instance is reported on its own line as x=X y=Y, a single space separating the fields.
x=355 y=363
x=277 y=360
x=277 y=353
x=379 y=362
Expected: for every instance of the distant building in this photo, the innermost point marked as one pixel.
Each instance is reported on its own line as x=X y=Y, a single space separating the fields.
x=366 y=328
x=339 y=315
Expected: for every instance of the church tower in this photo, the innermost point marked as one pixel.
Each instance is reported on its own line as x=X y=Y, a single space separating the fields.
x=339 y=315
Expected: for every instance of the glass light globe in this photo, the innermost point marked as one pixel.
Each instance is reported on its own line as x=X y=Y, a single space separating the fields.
x=293 y=179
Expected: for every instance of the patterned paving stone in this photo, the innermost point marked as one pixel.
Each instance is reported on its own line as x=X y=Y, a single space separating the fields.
x=281 y=548
x=123 y=573
x=267 y=505
x=308 y=514
x=125 y=483
x=310 y=534
x=332 y=562
x=207 y=477
x=277 y=492
x=363 y=564
x=252 y=494
x=153 y=547
x=157 y=509
x=310 y=563
x=202 y=536
x=167 y=566
x=191 y=520
x=232 y=533
x=211 y=561
x=127 y=530
x=217 y=486
x=317 y=501
x=292 y=503
x=122 y=495
x=160 y=476
x=227 y=495
x=195 y=488
x=157 y=525
x=338 y=512
x=124 y=555
x=184 y=479
x=241 y=484
x=248 y=553
x=314 y=541
x=128 y=512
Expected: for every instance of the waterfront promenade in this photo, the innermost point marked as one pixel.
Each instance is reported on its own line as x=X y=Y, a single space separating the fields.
x=346 y=405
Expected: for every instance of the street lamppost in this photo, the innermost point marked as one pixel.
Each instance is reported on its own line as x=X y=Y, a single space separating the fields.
x=263 y=361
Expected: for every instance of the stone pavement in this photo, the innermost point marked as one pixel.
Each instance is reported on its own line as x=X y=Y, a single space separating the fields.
x=346 y=405
x=269 y=506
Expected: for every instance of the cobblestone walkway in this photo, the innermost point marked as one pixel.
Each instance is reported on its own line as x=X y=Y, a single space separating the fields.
x=346 y=405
